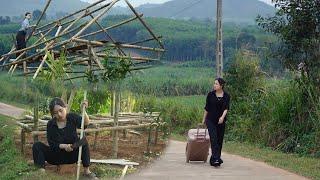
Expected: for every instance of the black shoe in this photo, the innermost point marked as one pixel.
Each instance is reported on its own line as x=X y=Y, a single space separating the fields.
x=216 y=163
x=220 y=161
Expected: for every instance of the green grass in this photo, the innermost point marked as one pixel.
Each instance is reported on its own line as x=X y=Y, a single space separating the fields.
x=12 y=164
x=304 y=166
x=171 y=80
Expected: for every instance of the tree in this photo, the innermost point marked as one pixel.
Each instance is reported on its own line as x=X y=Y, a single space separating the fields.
x=37 y=13
x=297 y=24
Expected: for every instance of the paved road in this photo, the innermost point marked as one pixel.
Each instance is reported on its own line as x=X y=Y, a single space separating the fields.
x=11 y=111
x=172 y=166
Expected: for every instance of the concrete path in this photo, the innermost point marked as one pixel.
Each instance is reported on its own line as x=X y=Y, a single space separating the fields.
x=11 y=111
x=172 y=166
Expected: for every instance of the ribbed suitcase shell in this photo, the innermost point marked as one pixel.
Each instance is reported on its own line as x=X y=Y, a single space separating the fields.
x=198 y=144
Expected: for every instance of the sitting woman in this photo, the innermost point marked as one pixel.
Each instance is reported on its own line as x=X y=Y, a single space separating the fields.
x=61 y=136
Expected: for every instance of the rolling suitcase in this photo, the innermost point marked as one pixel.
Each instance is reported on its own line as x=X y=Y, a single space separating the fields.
x=198 y=144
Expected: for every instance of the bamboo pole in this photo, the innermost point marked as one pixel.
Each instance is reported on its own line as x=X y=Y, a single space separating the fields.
x=149 y=140
x=81 y=135
x=95 y=140
x=37 y=54
x=23 y=126
x=70 y=101
x=41 y=43
x=142 y=41
x=127 y=57
x=23 y=140
x=144 y=24
x=70 y=21
x=111 y=56
x=104 y=129
x=120 y=51
x=36 y=119
x=110 y=27
x=40 y=66
x=96 y=59
x=41 y=16
x=115 y=133
x=70 y=15
x=96 y=18
x=98 y=43
x=71 y=24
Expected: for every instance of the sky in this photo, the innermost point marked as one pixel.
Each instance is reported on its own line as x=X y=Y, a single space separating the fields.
x=139 y=2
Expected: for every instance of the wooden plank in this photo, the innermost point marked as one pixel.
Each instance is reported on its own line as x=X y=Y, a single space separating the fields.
x=114 y=161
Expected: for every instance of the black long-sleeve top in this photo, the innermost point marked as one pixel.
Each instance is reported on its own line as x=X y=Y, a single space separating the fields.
x=66 y=135
x=215 y=106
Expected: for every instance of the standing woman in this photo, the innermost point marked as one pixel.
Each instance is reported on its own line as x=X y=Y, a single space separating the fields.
x=215 y=117
x=22 y=33
x=61 y=135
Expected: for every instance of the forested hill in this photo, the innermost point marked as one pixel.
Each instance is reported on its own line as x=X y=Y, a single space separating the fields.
x=233 y=10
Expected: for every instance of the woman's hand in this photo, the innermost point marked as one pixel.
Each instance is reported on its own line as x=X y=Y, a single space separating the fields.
x=221 y=119
x=68 y=148
x=84 y=104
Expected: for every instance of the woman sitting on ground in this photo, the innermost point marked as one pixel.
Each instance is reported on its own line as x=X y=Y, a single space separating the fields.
x=61 y=136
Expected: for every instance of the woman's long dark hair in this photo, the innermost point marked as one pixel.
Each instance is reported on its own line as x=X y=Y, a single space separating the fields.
x=221 y=81
x=56 y=101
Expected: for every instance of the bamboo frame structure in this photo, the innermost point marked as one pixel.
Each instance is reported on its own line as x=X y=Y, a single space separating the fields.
x=74 y=35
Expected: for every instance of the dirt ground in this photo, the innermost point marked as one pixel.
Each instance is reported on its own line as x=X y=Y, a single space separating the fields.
x=132 y=148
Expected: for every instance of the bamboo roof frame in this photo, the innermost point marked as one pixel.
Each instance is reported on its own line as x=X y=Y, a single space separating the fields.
x=80 y=44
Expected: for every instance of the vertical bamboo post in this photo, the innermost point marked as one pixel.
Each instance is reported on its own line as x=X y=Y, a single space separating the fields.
x=115 y=135
x=23 y=140
x=124 y=133
x=36 y=120
x=149 y=139
x=95 y=140
x=81 y=135
x=156 y=135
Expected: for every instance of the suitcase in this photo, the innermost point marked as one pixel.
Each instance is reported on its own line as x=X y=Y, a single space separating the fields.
x=198 y=144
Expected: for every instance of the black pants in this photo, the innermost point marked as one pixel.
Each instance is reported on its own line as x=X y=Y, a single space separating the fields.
x=216 y=132
x=21 y=41
x=42 y=153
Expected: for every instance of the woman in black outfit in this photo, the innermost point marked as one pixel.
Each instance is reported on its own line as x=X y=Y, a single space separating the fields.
x=215 y=117
x=61 y=136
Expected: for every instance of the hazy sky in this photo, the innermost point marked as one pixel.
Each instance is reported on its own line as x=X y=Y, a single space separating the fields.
x=139 y=2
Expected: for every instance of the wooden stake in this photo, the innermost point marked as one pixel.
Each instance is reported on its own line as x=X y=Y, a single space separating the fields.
x=115 y=135
x=35 y=119
x=81 y=134
x=23 y=140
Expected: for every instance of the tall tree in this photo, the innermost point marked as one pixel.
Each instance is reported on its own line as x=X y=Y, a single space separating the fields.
x=297 y=24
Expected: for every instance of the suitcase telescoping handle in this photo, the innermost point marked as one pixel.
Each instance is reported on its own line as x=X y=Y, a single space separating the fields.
x=200 y=136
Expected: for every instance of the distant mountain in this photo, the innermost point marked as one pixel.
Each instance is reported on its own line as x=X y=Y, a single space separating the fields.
x=19 y=7
x=233 y=10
